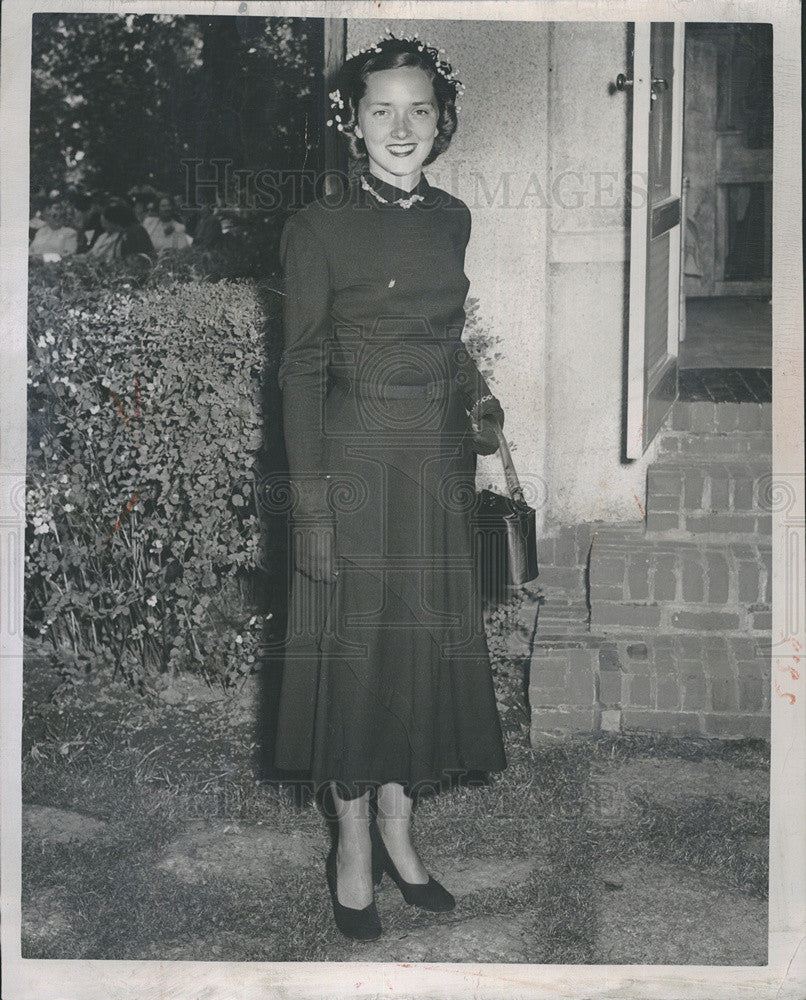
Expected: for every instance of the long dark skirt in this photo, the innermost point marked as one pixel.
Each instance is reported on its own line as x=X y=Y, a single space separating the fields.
x=387 y=672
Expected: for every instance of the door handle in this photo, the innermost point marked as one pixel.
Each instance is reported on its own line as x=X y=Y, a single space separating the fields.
x=658 y=85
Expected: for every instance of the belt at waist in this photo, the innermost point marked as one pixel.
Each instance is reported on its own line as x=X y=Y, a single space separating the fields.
x=386 y=390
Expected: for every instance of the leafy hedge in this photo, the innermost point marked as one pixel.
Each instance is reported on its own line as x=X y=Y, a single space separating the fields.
x=148 y=427
x=145 y=427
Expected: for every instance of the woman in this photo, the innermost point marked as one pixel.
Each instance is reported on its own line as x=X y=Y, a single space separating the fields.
x=387 y=687
x=55 y=239
x=165 y=231
x=122 y=235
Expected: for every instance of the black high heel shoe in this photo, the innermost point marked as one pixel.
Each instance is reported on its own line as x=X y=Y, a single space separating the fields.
x=430 y=895
x=360 y=925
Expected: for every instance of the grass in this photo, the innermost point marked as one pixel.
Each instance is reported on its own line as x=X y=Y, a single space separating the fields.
x=709 y=838
x=148 y=769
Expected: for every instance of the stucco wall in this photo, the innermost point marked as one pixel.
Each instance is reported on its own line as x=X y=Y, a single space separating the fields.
x=541 y=158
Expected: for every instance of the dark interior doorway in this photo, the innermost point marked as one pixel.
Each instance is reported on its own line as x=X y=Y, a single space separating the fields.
x=727 y=166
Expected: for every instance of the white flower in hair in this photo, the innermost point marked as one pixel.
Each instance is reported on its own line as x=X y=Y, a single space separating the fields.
x=440 y=65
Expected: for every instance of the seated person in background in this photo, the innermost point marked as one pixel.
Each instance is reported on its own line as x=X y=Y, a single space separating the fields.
x=165 y=231
x=82 y=218
x=90 y=207
x=140 y=208
x=150 y=219
x=208 y=228
x=55 y=238
x=123 y=235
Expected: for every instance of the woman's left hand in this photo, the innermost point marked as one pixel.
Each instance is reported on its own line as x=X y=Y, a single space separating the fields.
x=483 y=438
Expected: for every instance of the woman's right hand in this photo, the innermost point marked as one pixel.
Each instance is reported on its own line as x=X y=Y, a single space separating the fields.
x=484 y=440
x=315 y=549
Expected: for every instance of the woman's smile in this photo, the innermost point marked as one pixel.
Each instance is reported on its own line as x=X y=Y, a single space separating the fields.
x=403 y=149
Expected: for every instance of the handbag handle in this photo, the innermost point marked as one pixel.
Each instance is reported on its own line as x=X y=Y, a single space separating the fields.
x=510 y=475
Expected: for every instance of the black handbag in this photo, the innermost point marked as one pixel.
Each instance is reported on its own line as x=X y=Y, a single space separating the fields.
x=504 y=533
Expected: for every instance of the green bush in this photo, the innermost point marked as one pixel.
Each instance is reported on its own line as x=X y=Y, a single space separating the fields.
x=147 y=390
x=481 y=344
x=145 y=425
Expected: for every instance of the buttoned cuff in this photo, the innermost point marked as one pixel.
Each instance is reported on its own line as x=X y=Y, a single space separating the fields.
x=487 y=406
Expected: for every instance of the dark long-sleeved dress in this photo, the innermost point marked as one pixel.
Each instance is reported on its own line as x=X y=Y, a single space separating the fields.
x=386 y=671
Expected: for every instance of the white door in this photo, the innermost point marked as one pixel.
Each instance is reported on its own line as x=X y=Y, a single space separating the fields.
x=655 y=243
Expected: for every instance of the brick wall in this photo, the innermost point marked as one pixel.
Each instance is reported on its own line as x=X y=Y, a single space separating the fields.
x=665 y=626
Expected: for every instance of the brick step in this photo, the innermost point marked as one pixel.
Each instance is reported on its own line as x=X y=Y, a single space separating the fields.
x=561 y=616
x=563 y=607
x=706 y=495
x=686 y=444
x=562 y=548
x=641 y=582
x=709 y=685
x=721 y=418
x=561 y=579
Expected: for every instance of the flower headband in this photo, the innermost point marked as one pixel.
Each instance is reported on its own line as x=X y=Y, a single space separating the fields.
x=442 y=66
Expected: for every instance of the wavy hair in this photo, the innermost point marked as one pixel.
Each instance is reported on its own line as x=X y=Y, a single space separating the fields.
x=393 y=53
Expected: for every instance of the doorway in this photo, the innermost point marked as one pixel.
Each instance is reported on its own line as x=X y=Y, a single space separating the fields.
x=726 y=329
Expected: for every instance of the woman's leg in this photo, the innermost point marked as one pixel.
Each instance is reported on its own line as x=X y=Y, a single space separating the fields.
x=354 y=853
x=394 y=823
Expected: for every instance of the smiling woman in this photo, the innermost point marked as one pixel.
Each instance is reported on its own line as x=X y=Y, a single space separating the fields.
x=387 y=687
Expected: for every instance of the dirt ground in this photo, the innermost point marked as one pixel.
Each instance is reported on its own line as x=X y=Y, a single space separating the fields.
x=147 y=836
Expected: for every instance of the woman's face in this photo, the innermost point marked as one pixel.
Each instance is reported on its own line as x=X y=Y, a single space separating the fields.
x=397 y=119
x=54 y=215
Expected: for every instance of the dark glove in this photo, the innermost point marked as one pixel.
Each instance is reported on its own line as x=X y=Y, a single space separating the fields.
x=484 y=413
x=483 y=438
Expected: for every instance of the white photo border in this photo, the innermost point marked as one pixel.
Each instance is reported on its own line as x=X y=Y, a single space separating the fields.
x=785 y=975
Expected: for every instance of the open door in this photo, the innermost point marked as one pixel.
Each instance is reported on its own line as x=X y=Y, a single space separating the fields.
x=655 y=229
